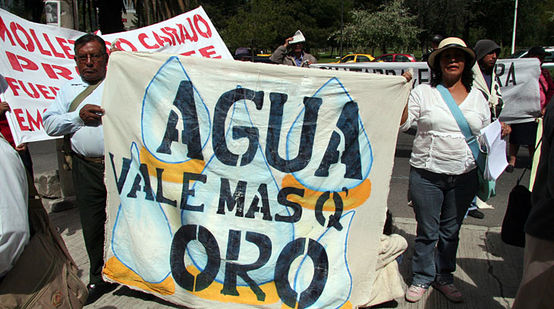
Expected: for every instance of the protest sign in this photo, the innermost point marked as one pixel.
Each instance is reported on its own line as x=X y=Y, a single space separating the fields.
x=518 y=80
x=37 y=59
x=246 y=184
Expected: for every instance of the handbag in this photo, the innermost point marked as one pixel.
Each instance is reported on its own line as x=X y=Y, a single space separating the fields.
x=512 y=231
x=517 y=211
x=45 y=275
x=487 y=188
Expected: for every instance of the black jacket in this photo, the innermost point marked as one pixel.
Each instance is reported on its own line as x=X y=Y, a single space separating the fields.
x=540 y=223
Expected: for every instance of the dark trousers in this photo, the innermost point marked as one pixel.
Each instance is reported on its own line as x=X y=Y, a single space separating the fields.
x=27 y=162
x=90 y=191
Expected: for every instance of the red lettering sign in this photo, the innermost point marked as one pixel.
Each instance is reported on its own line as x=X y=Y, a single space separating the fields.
x=4 y=31
x=53 y=71
x=142 y=39
x=189 y=53
x=54 y=51
x=20 y=120
x=171 y=33
x=40 y=48
x=123 y=41
x=208 y=52
x=66 y=49
x=19 y=62
x=29 y=46
x=34 y=91
x=34 y=123
x=199 y=20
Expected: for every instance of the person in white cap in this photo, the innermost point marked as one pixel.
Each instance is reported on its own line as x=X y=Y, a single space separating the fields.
x=443 y=175
x=297 y=56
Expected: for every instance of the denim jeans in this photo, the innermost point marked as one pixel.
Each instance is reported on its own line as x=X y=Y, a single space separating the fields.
x=440 y=204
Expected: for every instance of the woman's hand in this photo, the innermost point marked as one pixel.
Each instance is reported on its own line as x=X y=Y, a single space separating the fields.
x=4 y=107
x=408 y=76
x=505 y=129
x=21 y=147
x=113 y=47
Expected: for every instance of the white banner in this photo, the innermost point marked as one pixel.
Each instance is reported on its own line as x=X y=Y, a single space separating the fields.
x=518 y=80
x=36 y=59
x=234 y=184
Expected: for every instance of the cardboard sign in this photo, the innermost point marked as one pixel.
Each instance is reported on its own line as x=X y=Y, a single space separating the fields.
x=246 y=184
x=37 y=59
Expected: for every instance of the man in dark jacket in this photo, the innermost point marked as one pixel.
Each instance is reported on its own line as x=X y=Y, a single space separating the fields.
x=297 y=56
x=536 y=289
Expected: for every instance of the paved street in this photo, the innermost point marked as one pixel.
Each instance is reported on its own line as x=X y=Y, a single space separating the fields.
x=488 y=271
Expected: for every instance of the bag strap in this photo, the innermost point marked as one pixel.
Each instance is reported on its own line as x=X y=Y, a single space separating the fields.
x=82 y=96
x=471 y=140
x=66 y=146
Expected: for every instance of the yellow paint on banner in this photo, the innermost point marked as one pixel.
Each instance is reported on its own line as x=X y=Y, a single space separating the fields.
x=173 y=172
x=117 y=271
x=350 y=199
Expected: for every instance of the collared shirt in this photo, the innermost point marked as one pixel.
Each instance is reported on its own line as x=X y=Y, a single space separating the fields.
x=298 y=61
x=439 y=145
x=86 y=141
x=14 y=222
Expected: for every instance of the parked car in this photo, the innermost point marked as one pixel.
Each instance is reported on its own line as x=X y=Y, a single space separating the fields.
x=395 y=58
x=244 y=54
x=518 y=53
x=549 y=57
x=356 y=58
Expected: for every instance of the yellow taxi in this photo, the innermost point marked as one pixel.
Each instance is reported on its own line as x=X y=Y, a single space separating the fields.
x=356 y=58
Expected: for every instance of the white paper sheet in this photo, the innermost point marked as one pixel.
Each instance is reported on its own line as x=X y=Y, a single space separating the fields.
x=496 y=148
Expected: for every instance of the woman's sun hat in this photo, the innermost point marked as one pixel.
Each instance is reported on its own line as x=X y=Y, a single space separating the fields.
x=451 y=42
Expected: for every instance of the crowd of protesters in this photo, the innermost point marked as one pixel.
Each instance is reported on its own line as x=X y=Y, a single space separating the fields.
x=443 y=176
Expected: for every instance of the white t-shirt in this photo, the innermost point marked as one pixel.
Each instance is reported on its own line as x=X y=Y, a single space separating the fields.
x=439 y=145
x=14 y=222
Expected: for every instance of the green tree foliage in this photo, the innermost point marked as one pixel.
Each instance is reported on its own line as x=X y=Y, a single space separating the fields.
x=153 y=11
x=535 y=24
x=391 y=27
x=395 y=27
x=258 y=25
x=491 y=19
x=264 y=24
